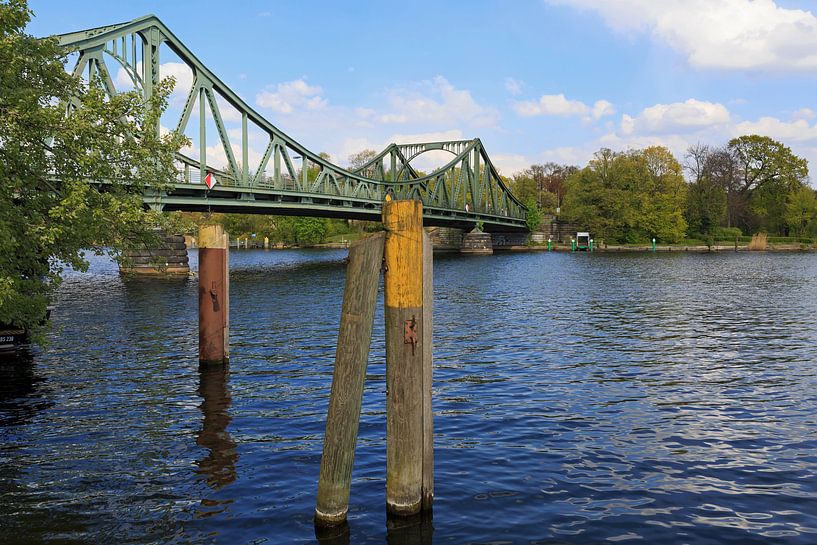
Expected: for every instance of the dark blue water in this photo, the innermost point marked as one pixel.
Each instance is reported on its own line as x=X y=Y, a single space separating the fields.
x=577 y=399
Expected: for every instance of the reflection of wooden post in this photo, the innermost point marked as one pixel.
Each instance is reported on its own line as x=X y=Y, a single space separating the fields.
x=218 y=467
x=414 y=530
x=405 y=346
x=226 y=244
x=351 y=358
x=428 y=415
x=213 y=295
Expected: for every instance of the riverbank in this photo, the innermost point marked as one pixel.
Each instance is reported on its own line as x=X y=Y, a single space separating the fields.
x=664 y=248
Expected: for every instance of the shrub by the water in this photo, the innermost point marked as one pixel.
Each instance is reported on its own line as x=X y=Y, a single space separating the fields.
x=758 y=242
x=726 y=233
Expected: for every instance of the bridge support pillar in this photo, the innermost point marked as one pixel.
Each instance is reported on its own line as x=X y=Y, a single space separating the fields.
x=477 y=243
x=214 y=295
x=168 y=259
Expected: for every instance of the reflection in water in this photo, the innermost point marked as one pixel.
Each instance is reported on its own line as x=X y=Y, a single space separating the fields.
x=20 y=395
x=333 y=535
x=218 y=467
x=416 y=530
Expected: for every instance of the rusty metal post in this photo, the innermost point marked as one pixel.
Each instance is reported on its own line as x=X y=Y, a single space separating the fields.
x=214 y=328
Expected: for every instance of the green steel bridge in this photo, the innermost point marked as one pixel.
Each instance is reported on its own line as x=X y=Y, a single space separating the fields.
x=290 y=179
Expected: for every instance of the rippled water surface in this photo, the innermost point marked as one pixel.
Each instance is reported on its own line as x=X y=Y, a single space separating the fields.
x=577 y=399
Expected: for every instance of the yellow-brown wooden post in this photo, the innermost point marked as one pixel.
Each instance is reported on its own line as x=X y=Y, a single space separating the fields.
x=405 y=346
x=214 y=330
x=351 y=359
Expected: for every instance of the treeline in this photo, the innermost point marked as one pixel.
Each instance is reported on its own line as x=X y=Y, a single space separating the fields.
x=752 y=184
x=291 y=230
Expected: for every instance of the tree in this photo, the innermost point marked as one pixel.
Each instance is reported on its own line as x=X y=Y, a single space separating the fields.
x=301 y=230
x=706 y=198
x=766 y=172
x=801 y=211
x=68 y=181
x=357 y=160
x=629 y=197
x=663 y=197
x=545 y=184
x=535 y=216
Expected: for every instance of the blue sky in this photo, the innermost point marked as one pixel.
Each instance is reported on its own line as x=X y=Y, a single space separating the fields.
x=544 y=80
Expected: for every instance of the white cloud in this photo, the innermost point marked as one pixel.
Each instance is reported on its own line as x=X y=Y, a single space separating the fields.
x=227 y=111
x=804 y=113
x=603 y=108
x=290 y=96
x=561 y=106
x=685 y=116
x=720 y=34
x=364 y=112
x=180 y=71
x=437 y=102
x=513 y=86
x=794 y=131
x=679 y=125
x=509 y=164
x=557 y=105
x=217 y=158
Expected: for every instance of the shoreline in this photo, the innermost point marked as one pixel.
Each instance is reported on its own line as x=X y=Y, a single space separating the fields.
x=667 y=248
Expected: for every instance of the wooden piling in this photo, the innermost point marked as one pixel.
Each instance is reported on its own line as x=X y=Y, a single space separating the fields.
x=214 y=328
x=428 y=416
x=405 y=346
x=351 y=359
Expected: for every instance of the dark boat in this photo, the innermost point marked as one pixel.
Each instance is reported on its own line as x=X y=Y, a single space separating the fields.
x=12 y=337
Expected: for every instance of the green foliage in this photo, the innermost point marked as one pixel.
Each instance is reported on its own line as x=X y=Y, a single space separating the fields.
x=301 y=230
x=705 y=206
x=629 y=197
x=766 y=172
x=53 y=202
x=727 y=233
x=289 y=230
x=801 y=212
x=535 y=215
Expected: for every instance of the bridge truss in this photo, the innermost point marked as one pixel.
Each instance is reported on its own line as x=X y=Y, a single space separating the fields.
x=289 y=179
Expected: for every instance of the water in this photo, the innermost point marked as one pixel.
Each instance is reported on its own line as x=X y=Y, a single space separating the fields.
x=578 y=399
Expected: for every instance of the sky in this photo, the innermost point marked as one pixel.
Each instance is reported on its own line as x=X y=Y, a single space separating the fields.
x=535 y=80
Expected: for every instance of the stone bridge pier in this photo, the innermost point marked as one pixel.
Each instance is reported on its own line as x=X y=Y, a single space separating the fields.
x=168 y=258
x=450 y=239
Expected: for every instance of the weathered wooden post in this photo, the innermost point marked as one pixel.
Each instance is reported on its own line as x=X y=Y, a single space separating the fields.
x=405 y=349
x=351 y=359
x=428 y=416
x=214 y=304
